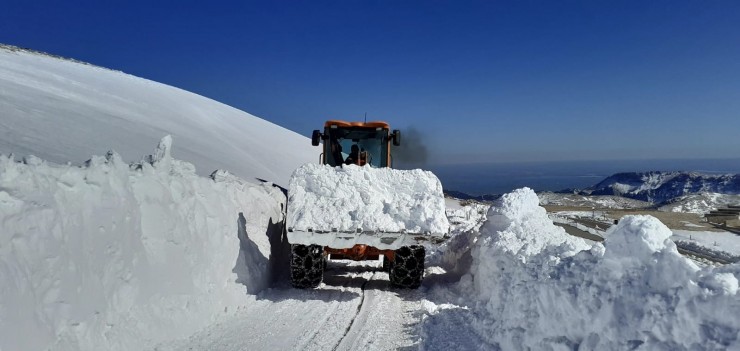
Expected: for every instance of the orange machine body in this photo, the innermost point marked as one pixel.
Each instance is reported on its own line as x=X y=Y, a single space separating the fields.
x=360 y=252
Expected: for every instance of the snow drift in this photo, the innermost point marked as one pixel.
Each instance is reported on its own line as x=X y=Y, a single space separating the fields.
x=535 y=287
x=117 y=256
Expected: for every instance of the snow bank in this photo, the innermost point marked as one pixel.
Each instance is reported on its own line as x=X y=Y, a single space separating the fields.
x=535 y=287
x=453 y=255
x=117 y=256
x=349 y=198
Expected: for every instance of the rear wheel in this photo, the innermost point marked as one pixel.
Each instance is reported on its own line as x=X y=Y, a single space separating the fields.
x=306 y=265
x=407 y=267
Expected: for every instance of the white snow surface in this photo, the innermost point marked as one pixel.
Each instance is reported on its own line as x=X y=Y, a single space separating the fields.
x=721 y=241
x=532 y=286
x=353 y=197
x=112 y=256
x=64 y=111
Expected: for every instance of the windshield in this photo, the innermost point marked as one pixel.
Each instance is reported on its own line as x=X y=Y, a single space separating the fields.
x=356 y=145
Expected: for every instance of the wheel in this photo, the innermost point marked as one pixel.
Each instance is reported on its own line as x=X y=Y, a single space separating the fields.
x=306 y=265
x=407 y=267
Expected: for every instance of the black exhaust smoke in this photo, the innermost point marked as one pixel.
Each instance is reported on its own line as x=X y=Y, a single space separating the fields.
x=412 y=153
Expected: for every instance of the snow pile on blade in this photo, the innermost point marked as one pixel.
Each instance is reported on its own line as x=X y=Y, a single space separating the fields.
x=534 y=287
x=352 y=198
x=112 y=256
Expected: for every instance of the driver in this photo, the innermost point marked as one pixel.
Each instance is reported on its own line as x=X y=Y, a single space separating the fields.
x=354 y=155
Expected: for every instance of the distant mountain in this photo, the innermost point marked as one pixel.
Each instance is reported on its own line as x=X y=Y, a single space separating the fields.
x=664 y=187
x=463 y=196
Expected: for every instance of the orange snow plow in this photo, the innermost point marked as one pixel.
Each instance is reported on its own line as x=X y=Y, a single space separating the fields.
x=354 y=206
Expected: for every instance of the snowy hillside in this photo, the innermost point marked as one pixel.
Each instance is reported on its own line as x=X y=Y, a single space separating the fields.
x=604 y=201
x=660 y=187
x=65 y=111
x=700 y=203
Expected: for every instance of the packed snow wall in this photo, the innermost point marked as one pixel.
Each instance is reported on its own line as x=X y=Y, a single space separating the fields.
x=535 y=287
x=112 y=256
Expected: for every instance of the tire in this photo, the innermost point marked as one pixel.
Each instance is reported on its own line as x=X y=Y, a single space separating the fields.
x=407 y=267
x=306 y=265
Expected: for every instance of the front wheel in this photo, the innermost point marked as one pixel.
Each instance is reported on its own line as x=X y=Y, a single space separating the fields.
x=407 y=267
x=306 y=265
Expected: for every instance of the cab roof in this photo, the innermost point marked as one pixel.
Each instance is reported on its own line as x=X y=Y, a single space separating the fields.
x=345 y=124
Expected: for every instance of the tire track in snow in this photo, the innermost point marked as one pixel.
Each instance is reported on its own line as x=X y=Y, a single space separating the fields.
x=319 y=326
x=353 y=309
x=387 y=320
x=324 y=333
x=359 y=310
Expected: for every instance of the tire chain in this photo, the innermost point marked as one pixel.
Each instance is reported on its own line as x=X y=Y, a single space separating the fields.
x=306 y=265
x=407 y=268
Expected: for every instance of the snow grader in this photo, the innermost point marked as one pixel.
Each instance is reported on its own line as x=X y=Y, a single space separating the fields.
x=353 y=205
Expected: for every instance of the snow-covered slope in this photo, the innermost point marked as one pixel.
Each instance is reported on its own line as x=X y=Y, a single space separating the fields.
x=660 y=187
x=65 y=111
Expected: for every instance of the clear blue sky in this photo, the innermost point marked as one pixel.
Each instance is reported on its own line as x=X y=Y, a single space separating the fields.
x=480 y=81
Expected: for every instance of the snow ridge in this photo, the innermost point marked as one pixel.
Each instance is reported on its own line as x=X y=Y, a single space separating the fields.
x=12 y=48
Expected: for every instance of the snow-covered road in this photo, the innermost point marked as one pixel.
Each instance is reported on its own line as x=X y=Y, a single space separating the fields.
x=354 y=309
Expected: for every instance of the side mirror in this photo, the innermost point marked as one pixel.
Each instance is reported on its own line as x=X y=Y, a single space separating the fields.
x=396 y=137
x=316 y=137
